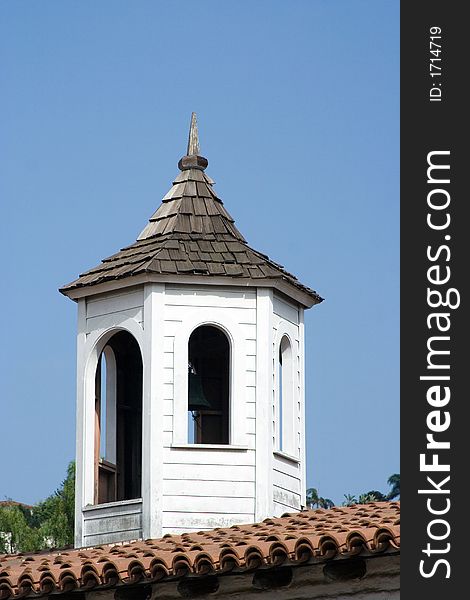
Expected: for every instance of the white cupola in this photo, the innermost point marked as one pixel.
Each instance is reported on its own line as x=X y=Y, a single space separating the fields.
x=190 y=376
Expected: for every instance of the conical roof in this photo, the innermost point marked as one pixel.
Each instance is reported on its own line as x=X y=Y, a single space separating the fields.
x=191 y=233
x=191 y=206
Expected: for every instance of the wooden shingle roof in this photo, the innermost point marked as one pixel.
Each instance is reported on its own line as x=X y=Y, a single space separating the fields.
x=191 y=233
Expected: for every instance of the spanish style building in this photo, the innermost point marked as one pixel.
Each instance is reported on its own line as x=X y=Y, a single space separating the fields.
x=191 y=429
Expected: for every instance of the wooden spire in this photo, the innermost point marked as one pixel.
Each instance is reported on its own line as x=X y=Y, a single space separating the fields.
x=193 y=158
x=193 y=139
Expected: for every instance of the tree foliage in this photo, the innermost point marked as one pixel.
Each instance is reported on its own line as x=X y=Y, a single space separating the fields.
x=49 y=524
x=314 y=500
x=394 y=482
x=350 y=500
x=16 y=535
x=371 y=496
x=374 y=495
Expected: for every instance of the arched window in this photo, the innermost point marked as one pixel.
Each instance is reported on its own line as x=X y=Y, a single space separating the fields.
x=285 y=397
x=118 y=420
x=208 y=386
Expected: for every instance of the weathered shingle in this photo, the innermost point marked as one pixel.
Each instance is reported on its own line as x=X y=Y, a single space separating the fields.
x=191 y=232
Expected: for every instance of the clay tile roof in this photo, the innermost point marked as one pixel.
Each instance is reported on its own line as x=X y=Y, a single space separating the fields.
x=309 y=536
x=191 y=233
x=6 y=503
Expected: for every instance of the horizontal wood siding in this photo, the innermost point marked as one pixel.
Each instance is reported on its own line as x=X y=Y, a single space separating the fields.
x=220 y=489
x=229 y=297
x=216 y=473
x=203 y=489
x=287 y=485
x=287 y=474
x=105 y=304
x=287 y=482
x=199 y=456
x=174 y=522
x=192 y=504
x=284 y=501
x=108 y=310
x=118 y=521
x=285 y=310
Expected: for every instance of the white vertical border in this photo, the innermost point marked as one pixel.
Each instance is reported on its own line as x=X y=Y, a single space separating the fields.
x=264 y=361
x=80 y=416
x=290 y=413
x=286 y=395
x=191 y=318
x=303 y=432
x=89 y=347
x=152 y=410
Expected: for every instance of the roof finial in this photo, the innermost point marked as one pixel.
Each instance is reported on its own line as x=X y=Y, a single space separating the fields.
x=193 y=159
x=193 y=140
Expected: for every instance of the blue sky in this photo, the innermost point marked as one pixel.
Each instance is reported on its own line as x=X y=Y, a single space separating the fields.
x=298 y=109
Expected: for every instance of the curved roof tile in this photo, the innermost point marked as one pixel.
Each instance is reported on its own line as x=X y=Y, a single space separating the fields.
x=311 y=535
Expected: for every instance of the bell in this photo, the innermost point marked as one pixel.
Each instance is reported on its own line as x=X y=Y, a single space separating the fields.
x=197 y=399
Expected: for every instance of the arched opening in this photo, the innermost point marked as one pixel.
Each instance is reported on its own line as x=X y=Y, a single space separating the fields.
x=208 y=386
x=285 y=397
x=118 y=420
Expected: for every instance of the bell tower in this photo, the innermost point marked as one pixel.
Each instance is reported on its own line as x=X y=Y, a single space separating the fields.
x=190 y=375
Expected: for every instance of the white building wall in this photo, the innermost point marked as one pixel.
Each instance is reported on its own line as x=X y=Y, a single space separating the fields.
x=99 y=317
x=112 y=522
x=208 y=486
x=288 y=490
x=185 y=486
x=111 y=309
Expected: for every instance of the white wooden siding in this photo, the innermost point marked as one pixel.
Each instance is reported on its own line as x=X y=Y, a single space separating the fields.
x=109 y=310
x=184 y=487
x=285 y=310
x=220 y=489
x=287 y=482
x=105 y=304
x=228 y=297
x=208 y=488
x=199 y=456
x=200 y=472
x=177 y=522
x=195 y=505
x=284 y=500
x=287 y=485
x=116 y=521
x=239 y=304
x=287 y=474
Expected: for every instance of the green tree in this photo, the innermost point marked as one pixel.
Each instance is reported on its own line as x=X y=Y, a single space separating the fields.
x=394 y=482
x=373 y=496
x=56 y=513
x=16 y=535
x=368 y=497
x=349 y=500
x=314 y=500
x=48 y=524
x=326 y=503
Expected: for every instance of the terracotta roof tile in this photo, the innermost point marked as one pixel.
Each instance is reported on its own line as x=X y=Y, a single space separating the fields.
x=305 y=537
